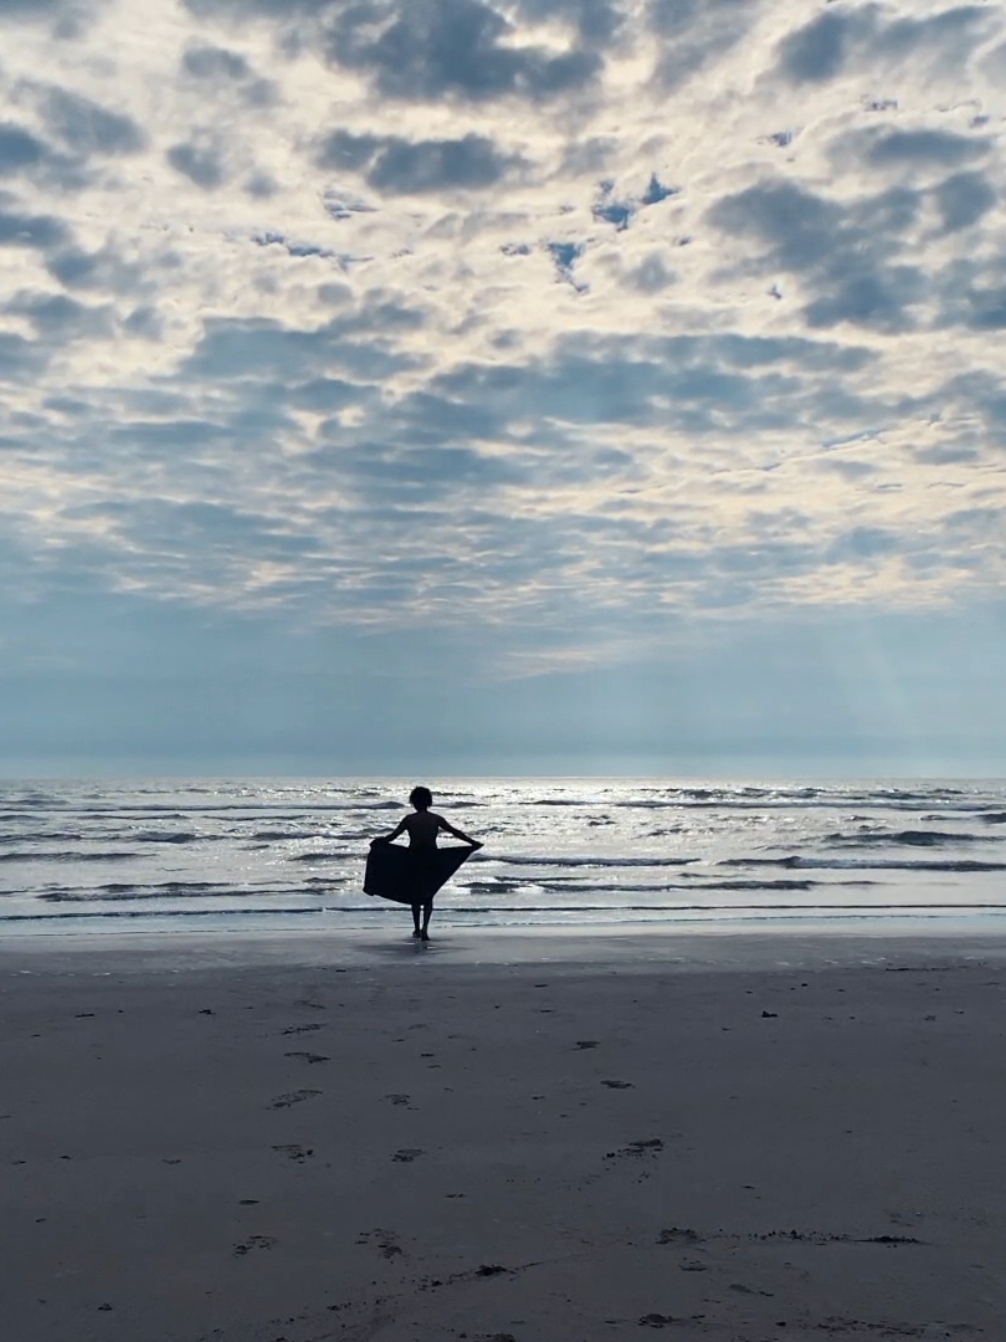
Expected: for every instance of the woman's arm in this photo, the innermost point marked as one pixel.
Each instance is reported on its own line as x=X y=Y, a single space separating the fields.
x=458 y=834
x=400 y=828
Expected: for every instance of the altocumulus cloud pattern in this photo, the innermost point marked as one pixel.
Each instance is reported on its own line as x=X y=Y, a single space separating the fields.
x=377 y=307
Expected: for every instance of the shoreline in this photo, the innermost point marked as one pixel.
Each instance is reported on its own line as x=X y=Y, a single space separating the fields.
x=658 y=948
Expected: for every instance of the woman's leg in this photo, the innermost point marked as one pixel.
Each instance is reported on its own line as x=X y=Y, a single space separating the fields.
x=427 y=915
x=415 y=919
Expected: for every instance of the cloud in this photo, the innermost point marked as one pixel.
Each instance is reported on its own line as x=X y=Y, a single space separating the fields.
x=215 y=63
x=76 y=130
x=432 y=49
x=396 y=166
x=86 y=127
x=799 y=225
x=19 y=149
x=836 y=40
x=34 y=231
x=963 y=199
x=201 y=161
x=222 y=70
x=597 y=21
x=35 y=160
x=862 y=260
x=427 y=418
x=651 y=275
x=343 y=204
x=862 y=543
x=31 y=9
x=986 y=308
x=695 y=33
x=324 y=395
x=927 y=148
x=497 y=313
x=105 y=269
x=818 y=51
x=248 y=349
x=272 y=9
x=994 y=63
x=144 y=321
x=19 y=357
x=433 y=165
x=293 y=248
x=695 y=385
x=412 y=474
x=847 y=252
x=62 y=318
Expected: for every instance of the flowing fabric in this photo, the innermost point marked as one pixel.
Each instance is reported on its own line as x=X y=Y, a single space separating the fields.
x=411 y=875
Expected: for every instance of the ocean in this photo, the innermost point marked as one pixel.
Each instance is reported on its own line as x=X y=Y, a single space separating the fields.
x=160 y=855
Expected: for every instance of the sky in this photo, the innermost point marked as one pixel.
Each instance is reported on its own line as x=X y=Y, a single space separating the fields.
x=502 y=386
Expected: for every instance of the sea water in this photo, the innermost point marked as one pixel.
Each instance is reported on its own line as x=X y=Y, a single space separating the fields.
x=78 y=857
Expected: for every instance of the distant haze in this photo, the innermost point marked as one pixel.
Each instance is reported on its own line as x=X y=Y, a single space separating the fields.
x=502 y=386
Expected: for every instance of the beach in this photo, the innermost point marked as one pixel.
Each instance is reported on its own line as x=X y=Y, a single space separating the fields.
x=510 y=1136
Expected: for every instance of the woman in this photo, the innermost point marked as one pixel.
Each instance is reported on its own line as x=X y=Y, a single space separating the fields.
x=422 y=828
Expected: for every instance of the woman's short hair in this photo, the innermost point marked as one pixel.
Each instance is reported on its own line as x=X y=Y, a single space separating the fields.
x=421 y=798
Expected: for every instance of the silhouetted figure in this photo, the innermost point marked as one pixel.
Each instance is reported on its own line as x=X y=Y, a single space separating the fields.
x=422 y=827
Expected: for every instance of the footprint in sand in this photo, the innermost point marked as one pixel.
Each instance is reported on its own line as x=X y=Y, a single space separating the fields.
x=649 y=1147
x=387 y=1242
x=679 y=1235
x=618 y=1085
x=308 y=1057
x=294 y=1151
x=300 y=1029
x=294 y=1097
x=407 y=1155
x=254 y=1242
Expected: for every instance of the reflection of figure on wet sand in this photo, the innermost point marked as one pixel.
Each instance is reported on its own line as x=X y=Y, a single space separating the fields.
x=422 y=827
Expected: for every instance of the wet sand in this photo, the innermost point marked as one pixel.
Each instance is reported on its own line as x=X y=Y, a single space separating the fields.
x=539 y=1138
